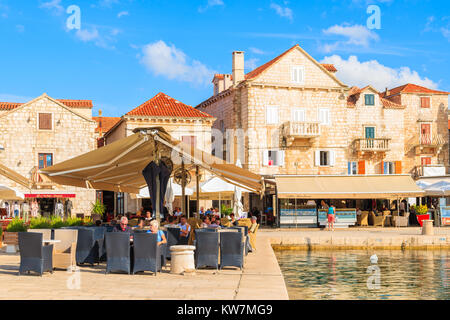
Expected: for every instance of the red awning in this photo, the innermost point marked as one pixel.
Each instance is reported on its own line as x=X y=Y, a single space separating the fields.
x=50 y=195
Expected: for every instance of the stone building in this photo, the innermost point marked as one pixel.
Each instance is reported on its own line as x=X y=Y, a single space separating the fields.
x=40 y=133
x=299 y=118
x=183 y=122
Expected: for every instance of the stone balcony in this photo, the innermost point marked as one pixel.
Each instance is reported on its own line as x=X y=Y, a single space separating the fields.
x=39 y=181
x=371 y=144
x=430 y=170
x=428 y=143
x=292 y=130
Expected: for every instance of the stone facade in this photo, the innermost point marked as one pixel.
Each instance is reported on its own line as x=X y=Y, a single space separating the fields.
x=72 y=134
x=176 y=126
x=396 y=120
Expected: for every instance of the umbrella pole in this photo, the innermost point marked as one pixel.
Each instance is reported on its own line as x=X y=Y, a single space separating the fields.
x=183 y=184
x=197 y=186
x=220 y=206
x=158 y=202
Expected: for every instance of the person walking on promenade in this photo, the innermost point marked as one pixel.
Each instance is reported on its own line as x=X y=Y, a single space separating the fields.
x=331 y=217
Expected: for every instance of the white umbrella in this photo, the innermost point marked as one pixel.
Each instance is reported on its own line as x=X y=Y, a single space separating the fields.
x=238 y=208
x=8 y=193
x=169 y=197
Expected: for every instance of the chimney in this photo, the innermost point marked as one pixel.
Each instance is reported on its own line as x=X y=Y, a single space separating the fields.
x=227 y=81
x=386 y=93
x=238 y=67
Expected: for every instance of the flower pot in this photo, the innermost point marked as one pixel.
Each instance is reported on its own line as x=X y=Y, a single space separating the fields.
x=421 y=217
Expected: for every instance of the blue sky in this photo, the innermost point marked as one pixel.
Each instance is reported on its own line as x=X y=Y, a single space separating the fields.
x=126 y=51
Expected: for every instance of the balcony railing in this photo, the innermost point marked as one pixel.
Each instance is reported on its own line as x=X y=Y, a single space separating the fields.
x=430 y=170
x=372 y=144
x=301 y=129
x=431 y=140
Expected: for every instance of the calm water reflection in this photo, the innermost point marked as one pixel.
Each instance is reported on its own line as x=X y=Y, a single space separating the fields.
x=343 y=274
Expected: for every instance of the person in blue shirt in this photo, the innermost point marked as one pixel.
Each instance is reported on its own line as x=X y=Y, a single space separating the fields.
x=185 y=227
x=154 y=228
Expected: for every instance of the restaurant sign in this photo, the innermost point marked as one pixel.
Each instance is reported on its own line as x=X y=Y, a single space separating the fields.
x=445 y=216
x=50 y=195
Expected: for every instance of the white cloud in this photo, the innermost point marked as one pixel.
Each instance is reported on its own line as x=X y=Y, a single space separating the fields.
x=354 y=72
x=20 y=28
x=102 y=38
x=282 y=12
x=251 y=64
x=7 y=97
x=172 y=63
x=357 y=35
x=86 y=35
x=209 y=4
x=122 y=13
x=54 y=6
x=256 y=51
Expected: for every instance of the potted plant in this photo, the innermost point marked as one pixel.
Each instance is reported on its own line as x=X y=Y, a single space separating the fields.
x=98 y=209
x=422 y=214
x=226 y=211
x=12 y=234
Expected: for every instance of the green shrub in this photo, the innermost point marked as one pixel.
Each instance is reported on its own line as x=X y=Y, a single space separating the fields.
x=57 y=222
x=16 y=225
x=71 y=222
x=40 y=223
x=226 y=210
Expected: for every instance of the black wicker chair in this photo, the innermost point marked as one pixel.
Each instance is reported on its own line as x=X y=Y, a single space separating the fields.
x=147 y=253
x=173 y=239
x=34 y=256
x=231 y=250
x=247 y=247
x=207 y=249
x=99 y=236
x=118 y=251
x=87 y=247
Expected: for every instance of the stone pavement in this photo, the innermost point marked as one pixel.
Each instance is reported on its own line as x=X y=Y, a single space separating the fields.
x=261 y=278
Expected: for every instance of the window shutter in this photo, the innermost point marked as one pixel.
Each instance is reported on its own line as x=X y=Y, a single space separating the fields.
x=317 y=158
x=384 y=167
x=361 y=167
x=425 y=102
x=398 y=167
x=332 y=157
x=45 y=121
x=349 y=168
x=280 y=158
x=265 y=157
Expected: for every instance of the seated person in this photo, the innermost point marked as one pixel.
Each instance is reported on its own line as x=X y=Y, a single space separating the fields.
x=254 y=225
x=140 y=224
x=233 y=220
x=123 y=226
x=205 y=222
x=171 y=223
x=148 y=216
x=185 y=228
x=98 y=223
x=178 y=212
x=154 y=228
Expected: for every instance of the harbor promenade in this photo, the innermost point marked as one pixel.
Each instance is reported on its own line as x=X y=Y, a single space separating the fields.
x=261 y=277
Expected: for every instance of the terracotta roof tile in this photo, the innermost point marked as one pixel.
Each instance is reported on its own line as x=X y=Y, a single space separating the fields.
x=162 y=105
x=106 y=123
x=67 y=102
x=329 y=67
x=411 y=88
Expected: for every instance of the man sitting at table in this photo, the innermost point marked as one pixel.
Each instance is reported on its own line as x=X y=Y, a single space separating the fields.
x=185 y=229
x=233 y=220
x=171 y=223
x=123 y=226
x=178 y=212
x=205 y=222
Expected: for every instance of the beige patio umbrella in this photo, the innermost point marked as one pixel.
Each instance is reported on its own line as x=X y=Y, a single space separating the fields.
x=118 y=166
x=7 y=193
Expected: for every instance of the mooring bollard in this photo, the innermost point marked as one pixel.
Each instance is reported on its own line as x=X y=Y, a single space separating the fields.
x=182 y=259
x=427 y=228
